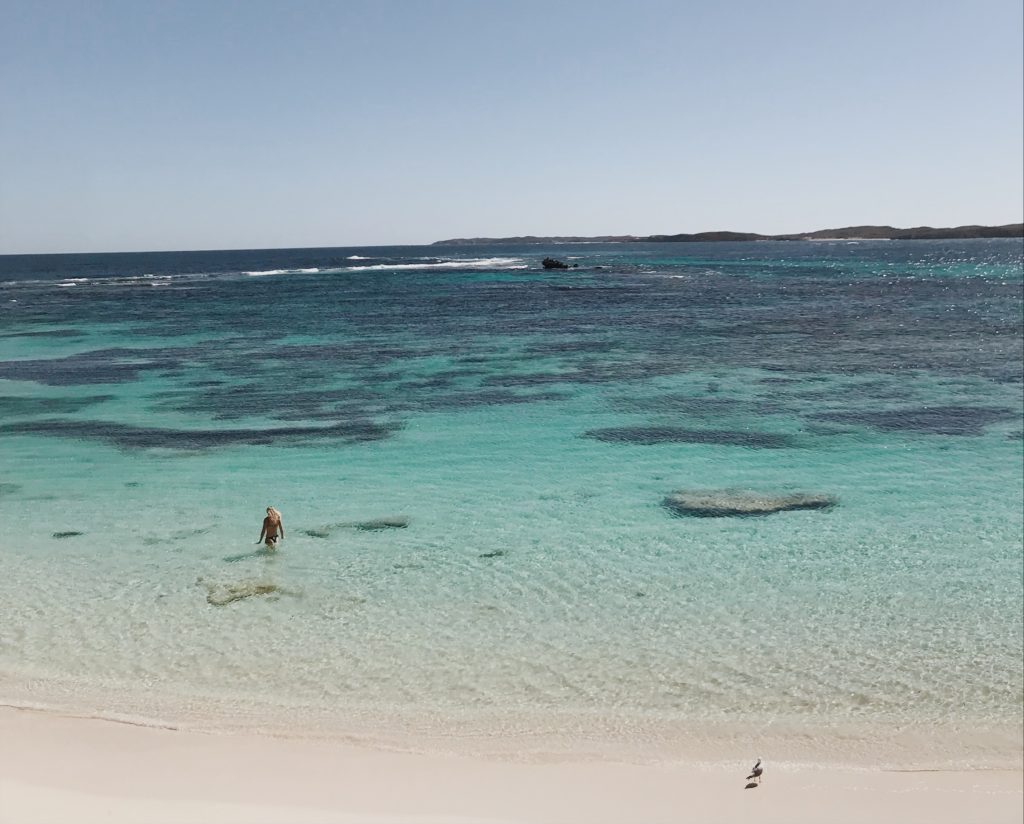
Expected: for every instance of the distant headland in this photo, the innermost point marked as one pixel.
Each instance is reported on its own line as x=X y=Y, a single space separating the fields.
x=846 y=233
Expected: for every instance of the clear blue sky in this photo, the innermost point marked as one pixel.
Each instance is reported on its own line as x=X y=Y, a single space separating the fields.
x=197 y=125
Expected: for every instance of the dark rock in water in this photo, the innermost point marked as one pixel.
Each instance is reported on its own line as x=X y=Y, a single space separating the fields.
x=390 y=522
x=726 y=503
x=497 y=553
x=68 y=534
x=551 y=263
x=399 y=522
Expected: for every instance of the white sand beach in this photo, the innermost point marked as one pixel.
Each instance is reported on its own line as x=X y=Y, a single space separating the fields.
x=56 y=769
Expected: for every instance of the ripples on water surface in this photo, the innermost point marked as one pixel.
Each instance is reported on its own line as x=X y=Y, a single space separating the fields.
x=521 y=430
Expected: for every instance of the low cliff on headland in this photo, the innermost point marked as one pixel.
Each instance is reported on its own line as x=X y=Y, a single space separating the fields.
x=917 y=233
x=856 y=233
x=846 y=233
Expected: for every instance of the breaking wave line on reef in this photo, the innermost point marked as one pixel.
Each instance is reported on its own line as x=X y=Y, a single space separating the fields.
x=266 y=272
x=468 y=263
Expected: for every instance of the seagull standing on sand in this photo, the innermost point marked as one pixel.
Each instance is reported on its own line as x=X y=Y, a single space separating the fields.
x=756 y=771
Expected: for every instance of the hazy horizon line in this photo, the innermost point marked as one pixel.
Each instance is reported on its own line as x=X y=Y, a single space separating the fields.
x=499 y=238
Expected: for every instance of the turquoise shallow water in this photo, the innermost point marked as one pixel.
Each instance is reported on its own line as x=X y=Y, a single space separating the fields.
x=526 y=426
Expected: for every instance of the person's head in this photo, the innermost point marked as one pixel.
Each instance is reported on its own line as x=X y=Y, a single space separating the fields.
x=273 y=513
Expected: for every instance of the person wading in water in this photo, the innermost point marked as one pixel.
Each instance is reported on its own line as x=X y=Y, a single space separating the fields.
x=273 y=528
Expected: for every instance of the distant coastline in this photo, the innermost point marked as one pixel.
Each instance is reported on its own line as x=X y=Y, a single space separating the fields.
x=846 y=233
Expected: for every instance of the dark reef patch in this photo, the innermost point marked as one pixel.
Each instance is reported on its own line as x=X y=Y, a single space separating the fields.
x=483 y=397
x=356 y=353
x=569 y=347
x=727 y=503
x=686 y=404
x=529 y=379
x=16 y=406
x=139 y=437
x=68 y=534
x=377 y=524
x=372 y=525
x=45 y=333
x=101 y=366
x=934 y=420
x=648 y=435
x=827 y=431
x=9 y=489
x=428 y=383
x=701 y=406
x=587 y=370
x=277 y=402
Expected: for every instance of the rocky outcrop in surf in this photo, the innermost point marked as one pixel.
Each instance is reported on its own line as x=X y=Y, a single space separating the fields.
x=551 y=263
x=728 y=503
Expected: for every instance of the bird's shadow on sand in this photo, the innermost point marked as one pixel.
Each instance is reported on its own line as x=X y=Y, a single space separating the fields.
x=753 y=785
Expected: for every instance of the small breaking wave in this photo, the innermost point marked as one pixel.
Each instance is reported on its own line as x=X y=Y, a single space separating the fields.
x=179 y=279
x=467 y=263
x=265 y=272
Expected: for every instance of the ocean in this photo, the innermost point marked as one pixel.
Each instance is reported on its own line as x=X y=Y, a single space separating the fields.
x=475 y=460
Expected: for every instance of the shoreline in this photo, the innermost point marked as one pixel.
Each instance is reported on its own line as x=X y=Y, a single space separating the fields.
x=58 y=768
x=513 y=731
x=545 y=735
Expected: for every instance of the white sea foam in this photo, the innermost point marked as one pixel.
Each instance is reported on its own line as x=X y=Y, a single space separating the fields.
x=265 y=272
x=357 y=257
x=127 y=280
x=466 y=263
x=142 y=280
